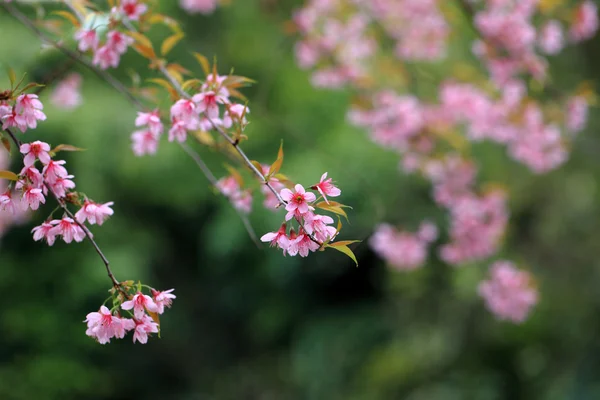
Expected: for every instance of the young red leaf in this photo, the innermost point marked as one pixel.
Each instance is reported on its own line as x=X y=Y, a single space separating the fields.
x=276 y=166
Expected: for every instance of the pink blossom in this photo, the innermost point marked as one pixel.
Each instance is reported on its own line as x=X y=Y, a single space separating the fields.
x=94 y=213
x=278 y=238
x=228 y=186
x=54 y=170
x=297 y=201
x=163 y=299
x=508 y=292
x=144 y=142
x=585 y=23
x=33 y=197
x=67 y=94
x=144 y=326
x=9 y=203
x=61 y=185
x=402 y=250
x=35 y=150
x=242 y=201
x=319 y=226
x=139 y=304
x=88 y=39
x=44 y=231
x=33 y=175
x=152 y=120
x=118 y=41
x=68 y=229
x=185 y=113
x=427 y=232
x=208 y=103
x=178 y=131
x=577 y=113
x=551 y=38
x=106 y=57
x=133 y=9
x=271 y=200
x=235 y=113
x=302 y=245
x=103 y=326
x=198 y=6
x=326 y=188
x=28 y=111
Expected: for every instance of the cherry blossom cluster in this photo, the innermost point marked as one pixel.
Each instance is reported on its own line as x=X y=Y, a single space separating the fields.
x=403 y=250
x=509 y=293
x=231 y=187
x=313 y=229
x=340 y=37
x=345 y=44
x=136 y=312
x=107 y=55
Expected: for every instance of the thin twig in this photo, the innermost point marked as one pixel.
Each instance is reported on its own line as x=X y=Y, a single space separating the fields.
x=71 y=54
x=85 y=229
x=211 y=177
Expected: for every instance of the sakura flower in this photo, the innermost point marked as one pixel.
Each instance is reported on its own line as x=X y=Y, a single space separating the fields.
x=139 y=304
x=508 y=293
x=67 y=94
x=152 y=120
x=144 y=326
x=8 y=203
x=33 y=175
x=297 y=200
x=278 y=238
x=61 y=185
x=44 y=231
x=87 y=38
x=103 y=326
x=577 y=113
x=234 y=113
x=318 y=226
x=33 y=197
x=186 y=112
x=118 y=41
x=68 y=229
x=163 y=299
x=585 y=23
x=228 y=186
x=144 y=142
x=326 y=188
x=12 y=119
x=404 y=251
x=106 y=57
x=28 y=110
x=551 y=39
x=133 y=9
x=94 y=213
x=242 y=201
x=54 y=170
x=35 y=150
x=198 y=6
x=208 y=103
x=302 y=245
x=178 y=131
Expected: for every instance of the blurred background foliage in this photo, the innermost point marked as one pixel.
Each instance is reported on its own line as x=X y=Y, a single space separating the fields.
x=251 y=324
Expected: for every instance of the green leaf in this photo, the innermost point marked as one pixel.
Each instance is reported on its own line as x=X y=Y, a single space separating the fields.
x=344 y=249
x=8 y=175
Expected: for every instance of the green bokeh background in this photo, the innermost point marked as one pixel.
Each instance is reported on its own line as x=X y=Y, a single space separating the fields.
x=251 y=324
